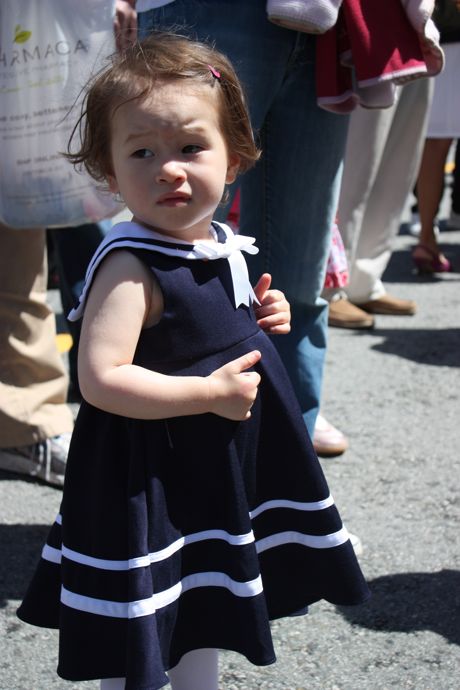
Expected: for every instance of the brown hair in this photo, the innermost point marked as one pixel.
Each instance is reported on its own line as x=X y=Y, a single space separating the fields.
x=133 y=74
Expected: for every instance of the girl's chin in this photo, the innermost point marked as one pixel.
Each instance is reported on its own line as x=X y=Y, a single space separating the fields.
x=192 y=234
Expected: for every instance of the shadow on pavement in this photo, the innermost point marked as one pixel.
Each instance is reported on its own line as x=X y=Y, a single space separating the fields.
x=436 y=347
x=20 y=546
x=407 y=602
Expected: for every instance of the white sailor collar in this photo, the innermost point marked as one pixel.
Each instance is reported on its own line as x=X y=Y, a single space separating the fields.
x=226 y=245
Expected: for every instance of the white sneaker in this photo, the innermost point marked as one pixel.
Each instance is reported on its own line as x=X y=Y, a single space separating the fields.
x=45 y=460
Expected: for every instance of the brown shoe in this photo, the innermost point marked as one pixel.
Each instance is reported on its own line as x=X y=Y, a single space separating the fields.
x=344 y=314
x=392 y=306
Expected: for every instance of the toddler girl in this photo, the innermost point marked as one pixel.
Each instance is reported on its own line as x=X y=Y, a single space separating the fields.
x=194 y=508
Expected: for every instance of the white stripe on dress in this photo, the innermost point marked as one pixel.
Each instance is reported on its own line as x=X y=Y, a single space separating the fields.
x=328 y=541
x=145 y=607
x=157 y=556
x=292 y=505
x=49 y=553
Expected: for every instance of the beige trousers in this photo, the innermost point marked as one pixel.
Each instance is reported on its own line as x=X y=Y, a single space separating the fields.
x=382 y=158
x=33 y=380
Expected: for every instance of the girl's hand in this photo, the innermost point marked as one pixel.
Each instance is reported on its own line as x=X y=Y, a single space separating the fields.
x=232 y=389
x=274 y=313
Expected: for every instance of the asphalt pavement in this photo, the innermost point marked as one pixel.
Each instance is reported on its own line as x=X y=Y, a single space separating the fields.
x=395 y=392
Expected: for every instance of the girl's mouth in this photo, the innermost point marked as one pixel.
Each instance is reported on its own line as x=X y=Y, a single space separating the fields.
x=174 y=199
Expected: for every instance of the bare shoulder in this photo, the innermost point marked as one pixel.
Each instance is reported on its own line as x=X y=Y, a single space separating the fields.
x=124 y=282
x=121 y=265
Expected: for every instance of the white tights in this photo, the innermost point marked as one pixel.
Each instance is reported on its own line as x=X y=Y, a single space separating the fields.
x=197 y=670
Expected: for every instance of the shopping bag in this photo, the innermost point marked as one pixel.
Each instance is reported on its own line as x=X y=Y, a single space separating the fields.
x=48 y=51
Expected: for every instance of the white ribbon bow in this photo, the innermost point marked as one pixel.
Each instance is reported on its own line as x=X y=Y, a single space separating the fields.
x=231 y=250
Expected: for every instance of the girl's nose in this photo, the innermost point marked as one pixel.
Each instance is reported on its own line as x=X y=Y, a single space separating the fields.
x=171 y=171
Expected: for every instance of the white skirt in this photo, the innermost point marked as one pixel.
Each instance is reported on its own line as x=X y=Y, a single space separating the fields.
x=444 y=120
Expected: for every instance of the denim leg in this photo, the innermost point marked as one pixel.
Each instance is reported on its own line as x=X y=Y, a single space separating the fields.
x=289 y=199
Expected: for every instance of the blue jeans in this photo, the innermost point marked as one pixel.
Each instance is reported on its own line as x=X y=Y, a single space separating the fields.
x=288 y=201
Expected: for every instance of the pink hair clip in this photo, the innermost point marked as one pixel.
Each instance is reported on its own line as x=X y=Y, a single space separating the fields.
x=214 y=72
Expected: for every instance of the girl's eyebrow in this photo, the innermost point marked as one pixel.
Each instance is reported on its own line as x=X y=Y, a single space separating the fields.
x=194 y=129
x=137 y=135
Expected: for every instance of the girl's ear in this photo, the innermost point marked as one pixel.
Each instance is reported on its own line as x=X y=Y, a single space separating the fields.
x=233 y=167
x=113 y=184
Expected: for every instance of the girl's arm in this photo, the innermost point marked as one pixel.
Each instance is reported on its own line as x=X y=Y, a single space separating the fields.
x=274 y=313
x=115 y=313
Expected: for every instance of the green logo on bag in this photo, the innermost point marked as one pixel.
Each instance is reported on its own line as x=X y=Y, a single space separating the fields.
x=21 y=35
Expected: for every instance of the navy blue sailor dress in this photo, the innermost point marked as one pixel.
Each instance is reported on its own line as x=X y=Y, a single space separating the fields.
x=190 y=532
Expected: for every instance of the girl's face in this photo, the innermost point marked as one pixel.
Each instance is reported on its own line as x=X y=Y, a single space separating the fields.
x=170 y=162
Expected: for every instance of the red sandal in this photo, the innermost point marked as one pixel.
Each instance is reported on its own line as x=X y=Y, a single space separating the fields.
x=433 y=263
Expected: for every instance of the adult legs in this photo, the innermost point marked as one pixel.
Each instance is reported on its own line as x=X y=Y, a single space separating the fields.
x=367 y=136
x=396 y=138
x=366 y=140
x=33 y=381
x=290 y=198
x=430 y=187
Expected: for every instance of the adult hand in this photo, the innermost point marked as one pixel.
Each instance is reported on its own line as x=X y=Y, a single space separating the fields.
x=125 y=23
x=274 y=313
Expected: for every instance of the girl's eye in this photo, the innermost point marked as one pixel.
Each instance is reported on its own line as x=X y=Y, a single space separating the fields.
x=192 y=148
x=143 y=153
